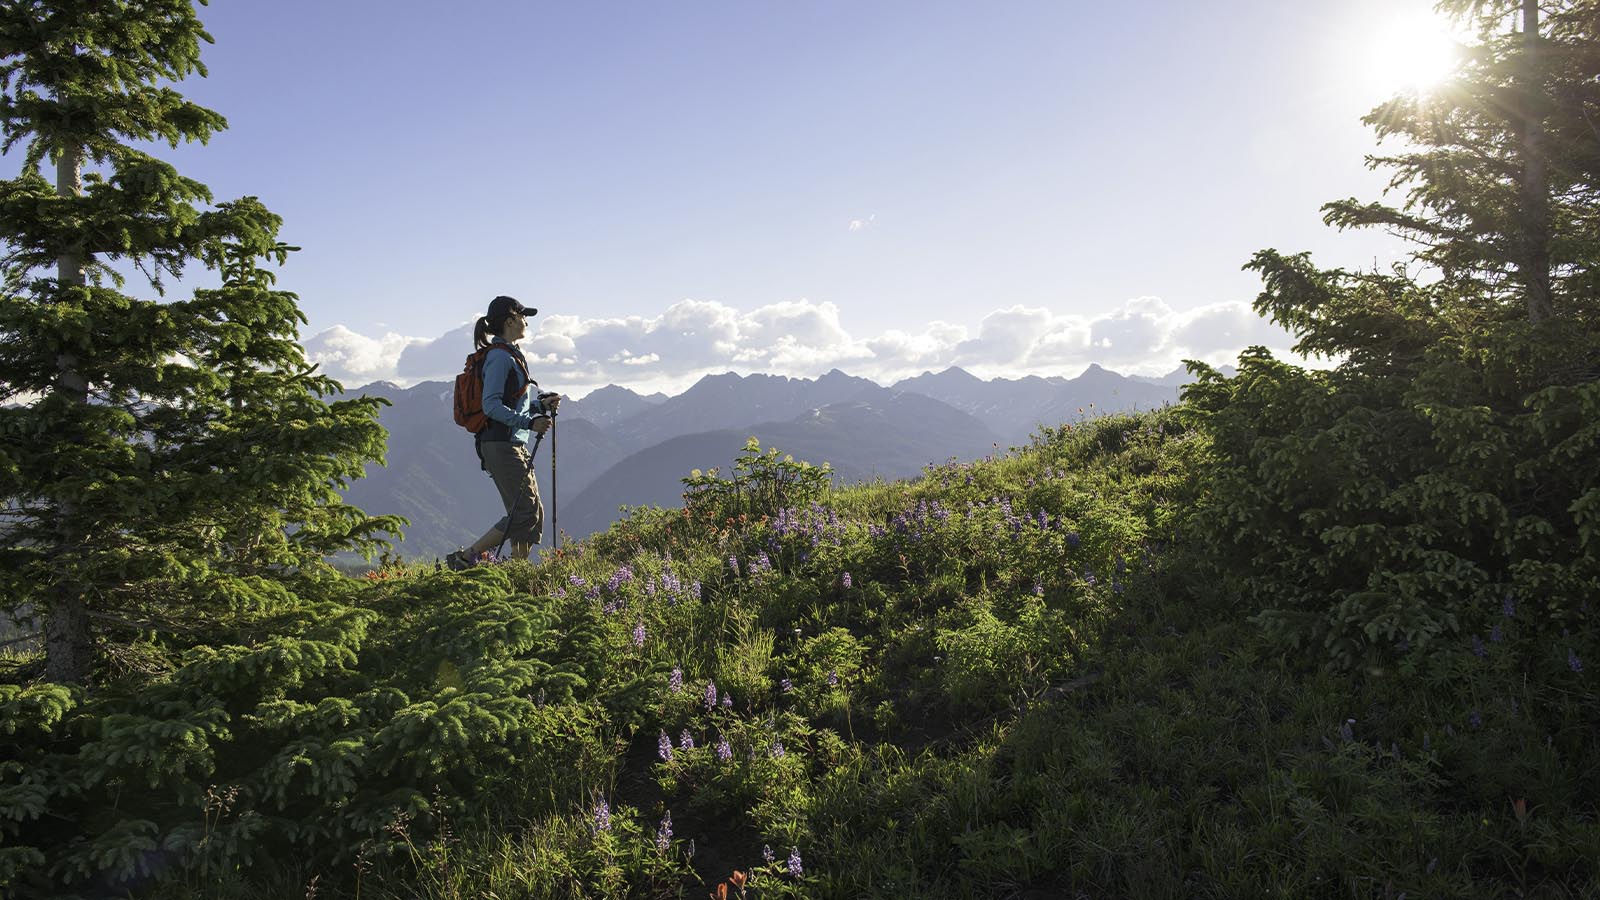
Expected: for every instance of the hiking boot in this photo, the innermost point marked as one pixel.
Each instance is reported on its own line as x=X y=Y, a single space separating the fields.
x=459 y=560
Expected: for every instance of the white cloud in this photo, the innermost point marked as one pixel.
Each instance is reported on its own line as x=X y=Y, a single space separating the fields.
x=693 y=338
x=436 y=358
x=1006 y=335
x=356 y=359
x=859 y=224
x=1142 y=328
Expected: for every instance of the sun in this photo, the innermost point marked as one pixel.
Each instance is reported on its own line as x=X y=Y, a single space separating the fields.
x=1415 y=52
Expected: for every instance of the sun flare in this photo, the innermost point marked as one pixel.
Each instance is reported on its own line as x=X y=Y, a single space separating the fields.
x=1411 y=53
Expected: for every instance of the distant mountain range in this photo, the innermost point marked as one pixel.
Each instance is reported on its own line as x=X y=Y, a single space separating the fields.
x=615 y=447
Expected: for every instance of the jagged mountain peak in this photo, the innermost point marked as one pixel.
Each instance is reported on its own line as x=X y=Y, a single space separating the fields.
x=951 y=376
x=608 y=392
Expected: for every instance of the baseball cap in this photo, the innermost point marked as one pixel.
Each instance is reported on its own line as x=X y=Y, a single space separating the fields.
x=503 y=306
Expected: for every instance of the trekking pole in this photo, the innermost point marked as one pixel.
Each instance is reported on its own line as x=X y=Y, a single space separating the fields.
x=555 y=525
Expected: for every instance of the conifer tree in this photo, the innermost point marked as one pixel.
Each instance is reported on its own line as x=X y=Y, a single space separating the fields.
x=1500 y=164
x=1452 y=459
x=157 y=456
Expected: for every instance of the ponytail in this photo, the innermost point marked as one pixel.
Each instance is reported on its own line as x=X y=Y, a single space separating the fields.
x=480 y=333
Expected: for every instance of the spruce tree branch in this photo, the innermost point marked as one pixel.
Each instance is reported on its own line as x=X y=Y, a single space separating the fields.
x=165 y=627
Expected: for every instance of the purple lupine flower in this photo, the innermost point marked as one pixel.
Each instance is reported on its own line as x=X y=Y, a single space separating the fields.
x=621 y=576
x=724 y=750
x=766 y=853
x=664 y=747
x=1573 y=662
x=776 y=750
x=1475 y=720
x=664 y=833
x=1478 y=649
x=639 y=634
x=845 y=580
x=833 y=678
x=1496 y=634
x=695 y=591
x=685 y=740
x=794 y=866
x=733 y=564
x=602 y=815
x=576 y=581
x=711 y=695
x=1072 y=540
x=1346 y=733
x=786 y=685
x=1038 y=588
x=727 y=700
x=675 y=680
x=1508 y=606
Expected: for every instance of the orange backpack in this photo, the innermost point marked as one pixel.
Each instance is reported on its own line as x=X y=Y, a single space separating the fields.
x=469 y=389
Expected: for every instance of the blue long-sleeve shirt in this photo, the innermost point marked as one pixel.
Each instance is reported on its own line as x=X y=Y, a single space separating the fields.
x=497 y=367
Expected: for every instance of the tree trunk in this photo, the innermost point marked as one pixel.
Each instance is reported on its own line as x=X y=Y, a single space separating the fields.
x=69 y=648
x=1534 y=261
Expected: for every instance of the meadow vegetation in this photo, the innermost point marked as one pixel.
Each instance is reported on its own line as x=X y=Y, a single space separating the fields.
x=1022 y=674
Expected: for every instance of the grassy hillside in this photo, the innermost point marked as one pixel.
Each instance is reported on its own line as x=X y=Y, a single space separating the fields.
x=1007 y=678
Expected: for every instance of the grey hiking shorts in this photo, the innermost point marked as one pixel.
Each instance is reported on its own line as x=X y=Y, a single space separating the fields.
x=512 y=470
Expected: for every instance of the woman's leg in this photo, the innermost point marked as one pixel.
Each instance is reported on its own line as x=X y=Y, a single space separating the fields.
x=512 y=470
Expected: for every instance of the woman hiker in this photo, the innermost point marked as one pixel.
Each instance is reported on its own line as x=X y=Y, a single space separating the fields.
x=514 y=407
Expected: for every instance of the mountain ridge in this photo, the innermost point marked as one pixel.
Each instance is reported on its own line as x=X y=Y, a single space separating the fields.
x=862 y=428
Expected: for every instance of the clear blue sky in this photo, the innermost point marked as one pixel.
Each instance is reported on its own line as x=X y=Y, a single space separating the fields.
x=604 y=160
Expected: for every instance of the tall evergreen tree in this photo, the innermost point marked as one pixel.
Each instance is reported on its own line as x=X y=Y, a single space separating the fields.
x=1500 y=164
x=159 y=459
x=1452 y=459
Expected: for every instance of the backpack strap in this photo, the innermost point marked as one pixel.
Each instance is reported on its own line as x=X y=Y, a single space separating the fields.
x=522 y=365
